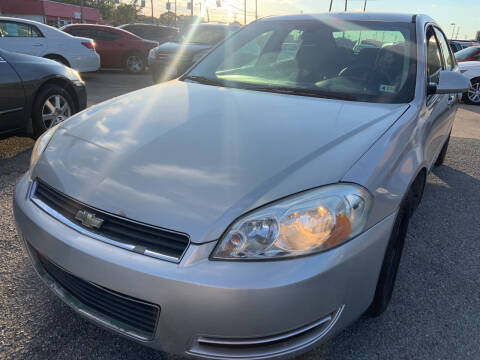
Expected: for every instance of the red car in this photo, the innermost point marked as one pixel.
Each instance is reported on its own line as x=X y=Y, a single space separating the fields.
x=116 y=47
x=471 y=53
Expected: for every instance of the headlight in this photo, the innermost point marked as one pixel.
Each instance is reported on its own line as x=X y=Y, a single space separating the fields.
x=41 y=145
x=311 y=222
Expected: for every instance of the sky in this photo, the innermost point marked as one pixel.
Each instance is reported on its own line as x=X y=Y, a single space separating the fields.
x=464 y=13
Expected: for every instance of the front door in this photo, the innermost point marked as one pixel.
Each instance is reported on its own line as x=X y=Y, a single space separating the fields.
x=438 y=106
x=11 y=99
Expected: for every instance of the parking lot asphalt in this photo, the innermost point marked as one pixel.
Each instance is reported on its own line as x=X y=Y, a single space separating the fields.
x=434 y=313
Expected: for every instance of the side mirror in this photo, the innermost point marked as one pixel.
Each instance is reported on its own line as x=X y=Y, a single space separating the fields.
x=451 y=82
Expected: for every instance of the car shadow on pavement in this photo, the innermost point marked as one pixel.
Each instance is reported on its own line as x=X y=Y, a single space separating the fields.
x=433 y=313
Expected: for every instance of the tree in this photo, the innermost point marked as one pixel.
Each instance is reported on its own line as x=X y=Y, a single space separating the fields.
x=168 y=18
x=125 y=13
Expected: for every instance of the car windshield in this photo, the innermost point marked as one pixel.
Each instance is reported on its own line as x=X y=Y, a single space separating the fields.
x=370 y=61
x=466 y=53
x=204 y=35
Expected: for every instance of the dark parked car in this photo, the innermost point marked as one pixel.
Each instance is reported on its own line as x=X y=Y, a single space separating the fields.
x=116 y=47
x=458 y=45
x=468 y=54
x=173 y=58
x=36 y=94
x=158 y=33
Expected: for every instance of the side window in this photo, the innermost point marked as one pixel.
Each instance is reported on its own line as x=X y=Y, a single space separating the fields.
x=447 y=55
x=107 y=35
x=434 y=62
x=290 y=45
x=13 y=29
x=83 y=33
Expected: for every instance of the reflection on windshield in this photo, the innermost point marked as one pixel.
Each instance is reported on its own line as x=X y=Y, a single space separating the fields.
x=365 y=61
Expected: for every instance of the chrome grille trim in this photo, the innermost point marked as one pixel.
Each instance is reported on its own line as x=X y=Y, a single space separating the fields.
x=58 y=216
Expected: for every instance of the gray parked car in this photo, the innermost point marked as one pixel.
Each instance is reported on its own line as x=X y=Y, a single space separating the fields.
x=258 y=204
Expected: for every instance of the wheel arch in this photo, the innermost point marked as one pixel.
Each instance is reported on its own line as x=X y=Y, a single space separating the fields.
x=62 y=82
x=52 y=56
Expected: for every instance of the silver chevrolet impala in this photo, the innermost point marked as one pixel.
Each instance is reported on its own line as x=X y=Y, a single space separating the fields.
x=258 y=204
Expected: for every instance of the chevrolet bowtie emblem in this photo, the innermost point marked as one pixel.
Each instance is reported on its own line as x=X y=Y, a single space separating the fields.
x=88 y=219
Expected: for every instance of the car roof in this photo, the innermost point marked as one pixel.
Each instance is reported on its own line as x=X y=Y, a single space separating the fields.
x=149 y=25
x=356 y=16
x=213 y=25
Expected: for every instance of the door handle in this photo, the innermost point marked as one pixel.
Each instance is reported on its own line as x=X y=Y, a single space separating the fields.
x=37 y=44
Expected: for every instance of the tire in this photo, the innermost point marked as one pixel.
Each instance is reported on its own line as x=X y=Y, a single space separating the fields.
x=391 y=262
x=134 y=63
x=443 y=153
x=58 y=59
x=52 y=105
x=472 y=96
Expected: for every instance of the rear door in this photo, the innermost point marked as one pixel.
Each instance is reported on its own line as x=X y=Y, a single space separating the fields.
x=11 y=99
x=112 y=45
x=21 y=37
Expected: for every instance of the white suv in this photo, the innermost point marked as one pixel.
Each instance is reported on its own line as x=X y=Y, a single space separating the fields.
x=34 y=38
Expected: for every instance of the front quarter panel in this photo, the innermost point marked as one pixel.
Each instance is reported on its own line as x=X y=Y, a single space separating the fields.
x=390 y=165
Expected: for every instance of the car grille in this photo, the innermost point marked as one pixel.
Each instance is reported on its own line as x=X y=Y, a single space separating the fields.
x=128 y=234
x=131 y=315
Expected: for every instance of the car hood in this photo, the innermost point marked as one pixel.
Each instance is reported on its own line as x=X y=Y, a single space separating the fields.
x=187 y=49
x=468 y=65
x=192 y=157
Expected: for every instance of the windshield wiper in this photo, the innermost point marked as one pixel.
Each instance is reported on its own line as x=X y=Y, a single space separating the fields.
x=302 y=92
x=203 y=80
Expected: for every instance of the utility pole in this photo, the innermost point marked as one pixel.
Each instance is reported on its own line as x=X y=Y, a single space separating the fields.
x=191 y=9
x=365 y=6
x=81 y=11
x=208 y=15
x=453 y=30
x=458 y=30
x=151 y=2
x=256 y=9
x=346 y=5
x=330 y=8
x=245 y=12
x=175 y=12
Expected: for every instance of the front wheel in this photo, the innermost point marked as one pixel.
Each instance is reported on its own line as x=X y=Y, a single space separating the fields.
x=52 y=105
x=472 y=96
x=134 y=63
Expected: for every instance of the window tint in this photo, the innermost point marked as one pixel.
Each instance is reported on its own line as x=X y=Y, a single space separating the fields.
x=434 y=63
x=447 y=56
x=107 y=35
x=88 y=33
x=13 y=29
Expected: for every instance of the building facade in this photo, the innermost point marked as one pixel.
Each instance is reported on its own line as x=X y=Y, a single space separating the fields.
x=49 y=12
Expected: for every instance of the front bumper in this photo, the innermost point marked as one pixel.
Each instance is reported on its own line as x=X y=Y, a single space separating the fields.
x=81 y=93
x=220 y=309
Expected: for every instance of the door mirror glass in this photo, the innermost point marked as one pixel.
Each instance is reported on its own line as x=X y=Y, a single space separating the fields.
x=452 y=82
